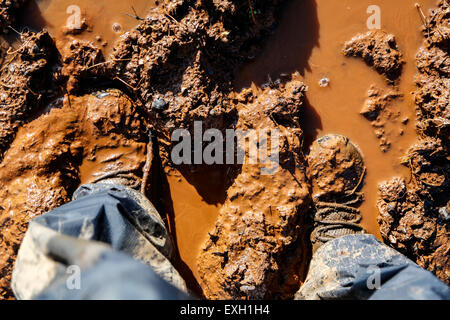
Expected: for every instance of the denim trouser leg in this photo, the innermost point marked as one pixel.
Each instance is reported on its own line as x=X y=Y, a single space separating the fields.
x=361 y=267
x=108 y=243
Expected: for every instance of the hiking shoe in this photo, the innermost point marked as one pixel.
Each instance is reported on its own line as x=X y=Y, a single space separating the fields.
x=116 y=140
x=336 y=170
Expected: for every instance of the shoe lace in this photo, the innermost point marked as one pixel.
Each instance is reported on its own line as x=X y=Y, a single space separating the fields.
x=342 y=210
x=126 y=177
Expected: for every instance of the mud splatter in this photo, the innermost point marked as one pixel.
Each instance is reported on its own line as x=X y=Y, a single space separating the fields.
x=53 y=154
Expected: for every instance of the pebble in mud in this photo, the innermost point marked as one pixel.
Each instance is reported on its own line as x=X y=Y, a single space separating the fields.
x=116 y=27
x=159 y=105
x=324 y=82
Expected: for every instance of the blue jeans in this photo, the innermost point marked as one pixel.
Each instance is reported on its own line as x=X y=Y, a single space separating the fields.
x=111 y=243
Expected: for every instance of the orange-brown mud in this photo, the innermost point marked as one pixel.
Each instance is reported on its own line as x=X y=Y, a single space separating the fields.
x=53 y=154
x=414 y=212
x=239 y=234
x=256 y=250
x=317 y=54
x=100 y=22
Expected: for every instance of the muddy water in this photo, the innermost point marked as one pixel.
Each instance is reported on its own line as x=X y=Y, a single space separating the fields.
x=193 y=202
x=106 y=20
x=309 y=40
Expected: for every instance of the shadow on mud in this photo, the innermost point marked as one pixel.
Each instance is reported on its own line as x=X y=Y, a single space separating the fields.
x=288 y=49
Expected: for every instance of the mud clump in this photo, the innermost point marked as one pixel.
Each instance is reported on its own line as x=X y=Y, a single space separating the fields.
x=414 y=215
x=379 y=50
x=26 y=79
x=82 y=64
x=261 y=220
x=8 y=10
x=379 y=111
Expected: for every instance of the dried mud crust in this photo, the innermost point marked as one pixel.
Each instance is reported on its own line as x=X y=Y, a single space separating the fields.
x=345 y=174
x=8 y=10
x=379 y=50
x=414 y=214
x=256 y=250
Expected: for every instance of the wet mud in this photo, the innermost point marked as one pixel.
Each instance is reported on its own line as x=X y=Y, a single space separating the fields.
x=414 y=212
x=379 y=50
x=262 y=219
x=230 y=64
x=8 y=13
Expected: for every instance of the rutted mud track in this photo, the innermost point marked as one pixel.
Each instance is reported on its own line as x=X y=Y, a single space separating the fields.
x=177 y=66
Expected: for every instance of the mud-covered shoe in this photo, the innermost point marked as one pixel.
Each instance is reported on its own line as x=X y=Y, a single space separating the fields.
x=336 y=170
x=116 y=140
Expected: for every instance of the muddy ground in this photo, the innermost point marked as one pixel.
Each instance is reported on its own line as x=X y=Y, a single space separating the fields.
x=414 y=214
x=177 y=66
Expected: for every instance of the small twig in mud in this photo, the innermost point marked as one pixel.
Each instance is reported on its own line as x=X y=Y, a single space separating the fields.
x=68 y=97
x=12 y=52
x=423 y=17
x=31 y=91
x=148 y=162
x=360 y=181
x=251 y=12
x=106 y=62
x=135 y=16
x=425 y=21
x=169 y=16
x=20 y=34
x=128 y=85
x=175 y=20
x=5 y=65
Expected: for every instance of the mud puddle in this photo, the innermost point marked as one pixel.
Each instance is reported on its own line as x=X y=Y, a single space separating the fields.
x=101 y=22
x=192 y=204
x=309 y=39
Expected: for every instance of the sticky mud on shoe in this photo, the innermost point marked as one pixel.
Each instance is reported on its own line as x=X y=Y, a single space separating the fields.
x=117 y=145
x=336 y=169
x=336 y=166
